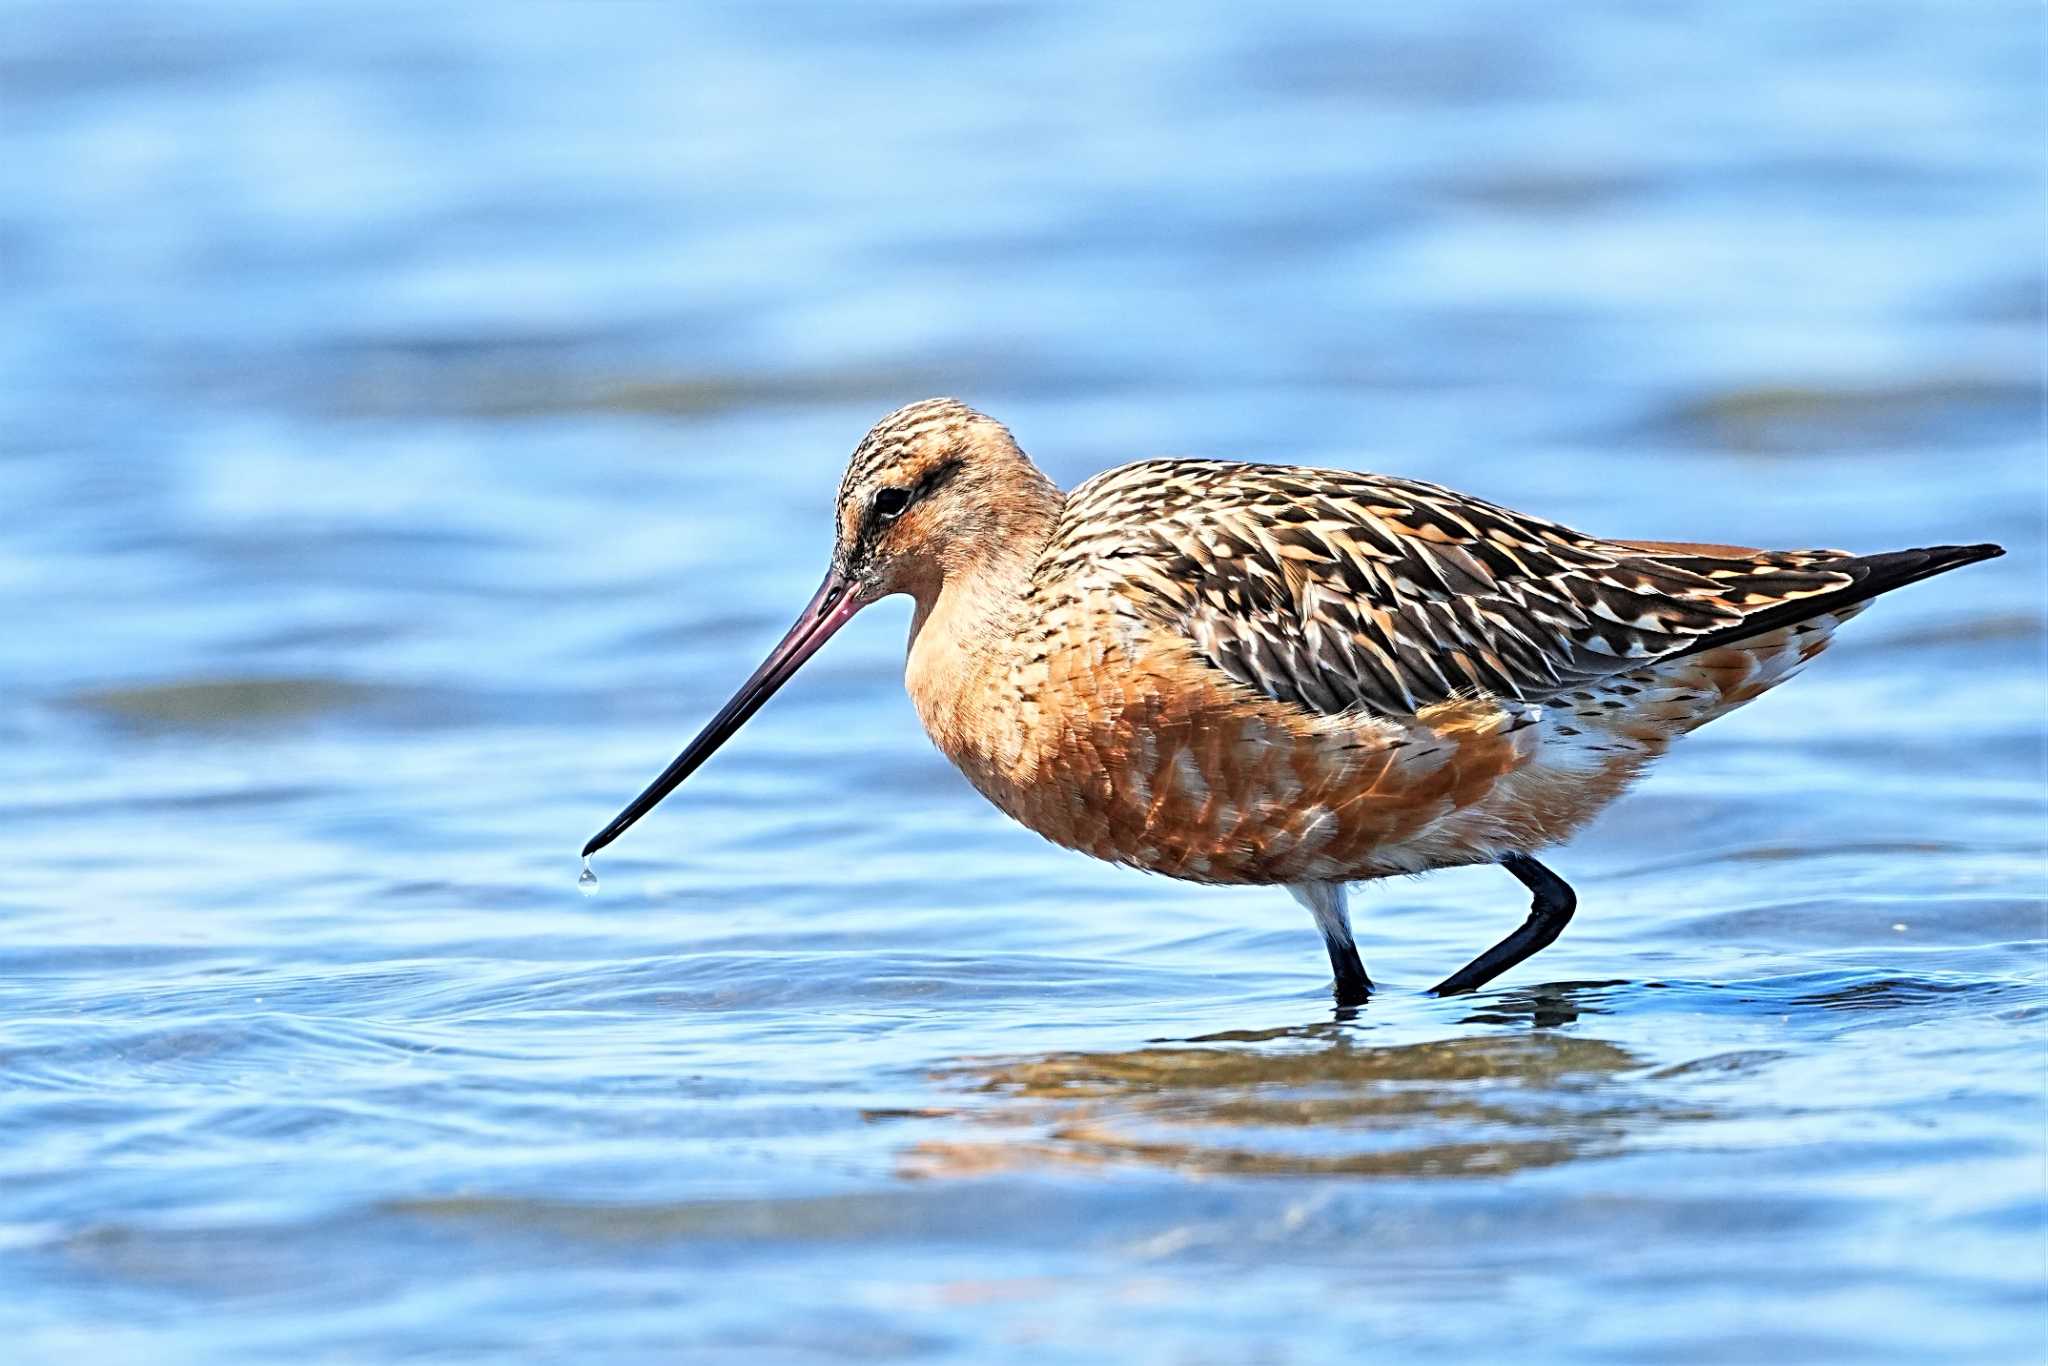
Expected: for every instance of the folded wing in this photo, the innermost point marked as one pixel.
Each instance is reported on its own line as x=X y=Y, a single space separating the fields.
x=1339 y=592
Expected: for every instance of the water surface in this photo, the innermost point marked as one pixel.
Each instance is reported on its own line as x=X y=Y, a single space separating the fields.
x=416 y=419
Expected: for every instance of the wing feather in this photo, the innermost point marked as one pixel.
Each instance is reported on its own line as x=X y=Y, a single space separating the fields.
x=1339 y=591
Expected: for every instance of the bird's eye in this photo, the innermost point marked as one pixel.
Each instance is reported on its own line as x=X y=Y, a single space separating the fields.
x=889 y=503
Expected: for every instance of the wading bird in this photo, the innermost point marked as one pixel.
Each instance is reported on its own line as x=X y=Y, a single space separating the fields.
x=1239 y=673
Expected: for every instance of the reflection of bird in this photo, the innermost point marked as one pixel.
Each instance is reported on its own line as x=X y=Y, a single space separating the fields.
x=1242 y=673
x=1474 y=1104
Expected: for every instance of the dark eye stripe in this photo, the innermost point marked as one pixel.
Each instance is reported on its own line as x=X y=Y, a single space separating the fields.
x=890 y=503
x=938 y=475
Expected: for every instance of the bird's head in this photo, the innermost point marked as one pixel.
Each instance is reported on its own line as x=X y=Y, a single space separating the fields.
x=934 y=491
x=931 y=491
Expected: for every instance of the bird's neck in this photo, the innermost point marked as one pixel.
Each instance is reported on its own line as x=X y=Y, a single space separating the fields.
x=968 y=621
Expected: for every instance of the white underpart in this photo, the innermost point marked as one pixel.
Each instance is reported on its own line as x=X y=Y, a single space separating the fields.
x=1325 y=901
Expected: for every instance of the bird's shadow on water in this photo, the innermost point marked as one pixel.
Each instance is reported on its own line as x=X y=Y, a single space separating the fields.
x=1414 y=1086
x=1349 y=1095
x=1549 y=1006
x=1411 y=1086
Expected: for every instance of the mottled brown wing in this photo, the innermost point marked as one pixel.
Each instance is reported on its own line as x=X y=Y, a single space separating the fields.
x=1339 y=591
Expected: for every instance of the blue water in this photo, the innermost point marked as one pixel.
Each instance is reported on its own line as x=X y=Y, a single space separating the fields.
x=415 y=419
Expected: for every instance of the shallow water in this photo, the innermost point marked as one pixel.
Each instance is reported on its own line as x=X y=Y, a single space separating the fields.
x=417 y=419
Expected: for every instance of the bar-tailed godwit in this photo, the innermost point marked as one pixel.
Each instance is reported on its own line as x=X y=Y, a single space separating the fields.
x=1238 y=673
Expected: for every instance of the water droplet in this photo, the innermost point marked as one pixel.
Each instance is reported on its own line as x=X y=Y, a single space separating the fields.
x=587 y=884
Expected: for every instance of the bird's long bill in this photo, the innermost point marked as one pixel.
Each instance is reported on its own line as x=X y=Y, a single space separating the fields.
x=834 y=605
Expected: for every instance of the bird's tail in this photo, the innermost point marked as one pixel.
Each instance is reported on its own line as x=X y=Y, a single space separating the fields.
x=1869 y=575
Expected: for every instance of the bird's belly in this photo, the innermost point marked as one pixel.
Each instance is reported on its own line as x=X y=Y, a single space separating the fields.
x=1117 y=740
x=1193 y=778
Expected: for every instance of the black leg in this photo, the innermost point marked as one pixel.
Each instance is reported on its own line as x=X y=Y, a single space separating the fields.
x=1353 y=986
x=1325 y=901
x=1550 y=910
